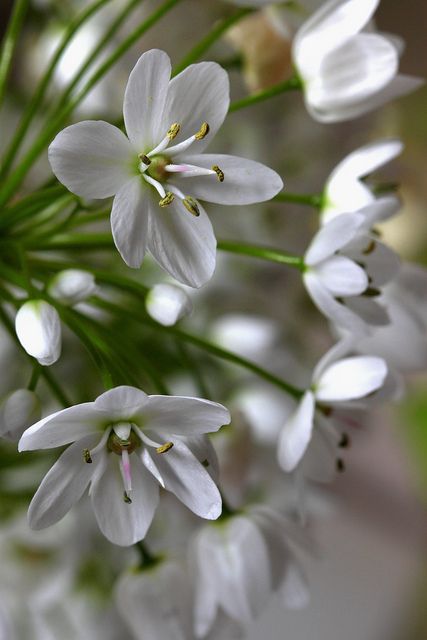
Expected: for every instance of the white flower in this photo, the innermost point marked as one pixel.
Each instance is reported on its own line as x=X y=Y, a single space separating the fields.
x=345 y=191
x=346 y=266
x=125 y=444
x=167 y=304
x=336 y=382
x=38 y=328
x=156 y=602
x=72 y=286
x=239 y=563
x=157 y=184
x=18 y=411
x=345 y=71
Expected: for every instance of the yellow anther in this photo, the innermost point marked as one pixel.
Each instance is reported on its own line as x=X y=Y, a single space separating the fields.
x=86 y=456
x=145 y=159
x=174 y=129
x=165 y=447
x=191 y=205
x=203 y=131
x=126 y=498
x=169 y=197
x=218 y=172
x=369 y=249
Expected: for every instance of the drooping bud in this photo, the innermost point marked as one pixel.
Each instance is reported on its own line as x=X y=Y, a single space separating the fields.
x=72 y=286
x=19 y=410
x=167 y=303
x=38 y=328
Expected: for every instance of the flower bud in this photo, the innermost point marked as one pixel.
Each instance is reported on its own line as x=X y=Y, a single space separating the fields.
x=19 y=410
x=167 y=304
x=38 y=328
x=72 y=286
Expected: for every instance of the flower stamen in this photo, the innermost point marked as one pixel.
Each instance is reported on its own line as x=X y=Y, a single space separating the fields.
x=171 y=134
x=191 y=205
x=164 y=447
x=183 y=146
x=156 y=184
x=189 y=170
x=167 y=200
x=218 y=172
x=87 y=457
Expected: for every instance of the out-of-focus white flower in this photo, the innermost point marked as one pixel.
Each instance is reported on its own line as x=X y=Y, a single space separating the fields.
x=345 y=71
x=18 y=411
x=72 y=286
x=96 y=160
x=168 y=303
x=124 y=488
x=403 y=342
x=239 y=563
x=249 y=335
x=346 y=266
x=336 y=382
x=345 y=191
x=156 y=602
x=38 y=328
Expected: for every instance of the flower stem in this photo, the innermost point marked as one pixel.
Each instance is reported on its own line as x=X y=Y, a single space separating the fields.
x=292 y=84
x=9 y=42
x=40 y=92
x=310 y=200
x=147 y=559
x=16 y=178
x=273 y=255
x=205 y=43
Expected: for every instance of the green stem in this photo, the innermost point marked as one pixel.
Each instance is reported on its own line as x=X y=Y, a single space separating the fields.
x=205 y=43
x=264 y=253
x=75 y=241
x=147 y=559
x=93 y=55
x=310 y=200
x=9 y=42
x=34 y=377
x=40 y=92
x=293 y=84
x=46 y=135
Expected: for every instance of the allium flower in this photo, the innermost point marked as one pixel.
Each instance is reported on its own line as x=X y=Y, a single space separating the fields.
x=157 y=603
x=345 y=191
x=168 y=303
x=38 y=328
x=336 y=382
x=124 y=445
x=345 y=71
x=72 y=286
x=158 y=172
x=18 y=411
x=239 y=563
x=346 y=266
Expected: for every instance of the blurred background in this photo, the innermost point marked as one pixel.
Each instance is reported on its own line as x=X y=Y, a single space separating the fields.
x=368 y=578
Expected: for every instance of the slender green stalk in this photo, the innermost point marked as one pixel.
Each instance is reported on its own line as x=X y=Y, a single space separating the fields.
x=75 y=241
x=300 y=198
x=273 y=255
x=9 y=42
x=47 y=206
x=35 y=375
x=206 y=346
x=93 y=55
x=205 y=43
x=16 y=178
x=293 y=84
x=40 y=92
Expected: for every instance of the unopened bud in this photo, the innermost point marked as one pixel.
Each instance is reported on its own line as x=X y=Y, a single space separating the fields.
x=168 y=303
x=72 y=286
x=19 y=410
x=38 y=328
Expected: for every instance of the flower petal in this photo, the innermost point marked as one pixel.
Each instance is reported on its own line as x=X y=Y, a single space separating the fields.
x=38 y=328
x=340 y=314
x=124 y=523
x=351 y=378
x=181 y=415
x=296 y=433
x=186 y=477
x=184 y=245
x=129 y=221
x=144 y=100
x=92 y=159
x=367 y=159
x=121 y=402
x=327 y=29
x=61 y=428
x=334 y=235
x=369 y=310
x=245 y=181
x=341 y=276
x=362 y=67
x=200 y=93
x=380 y=210
x=63 y=485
